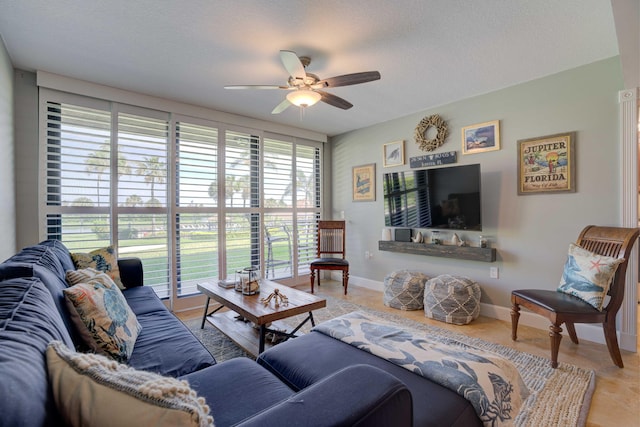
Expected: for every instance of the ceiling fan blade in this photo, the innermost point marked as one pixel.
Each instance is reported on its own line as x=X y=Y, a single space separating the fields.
x=292 y=64
x=336 y=101
x=255 y=87
x=281 y=107
x=350 y=79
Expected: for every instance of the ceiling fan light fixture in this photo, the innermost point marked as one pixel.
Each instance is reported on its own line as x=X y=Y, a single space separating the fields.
x=303 y=97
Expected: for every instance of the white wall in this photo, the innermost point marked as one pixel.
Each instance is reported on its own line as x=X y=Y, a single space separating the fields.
x=7 y=186
x=532 y=232
x=26 y=162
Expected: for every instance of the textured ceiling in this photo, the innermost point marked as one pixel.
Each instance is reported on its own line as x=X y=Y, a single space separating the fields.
x=429 y=52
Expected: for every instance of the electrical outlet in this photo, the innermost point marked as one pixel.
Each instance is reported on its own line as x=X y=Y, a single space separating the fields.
x=493 y=272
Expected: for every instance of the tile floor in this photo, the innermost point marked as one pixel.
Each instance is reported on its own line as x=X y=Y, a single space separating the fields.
x=616 y=401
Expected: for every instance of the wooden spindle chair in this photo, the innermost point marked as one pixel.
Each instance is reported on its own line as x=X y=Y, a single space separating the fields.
x=562 y=308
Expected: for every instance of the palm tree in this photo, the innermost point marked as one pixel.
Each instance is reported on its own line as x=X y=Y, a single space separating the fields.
x=153 y=170
x=100 y=161
x=97 y=163
x=230 y=188
x=213 y=191
x=303 y=183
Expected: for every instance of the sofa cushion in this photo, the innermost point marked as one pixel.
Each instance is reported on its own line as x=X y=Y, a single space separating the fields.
x=29 y=320
x=167 y=347
x=92 y=390
x=61 y=252
x=46 y=265
x=103 y=259
x=12 y=270
x=41 y=255
x=102 y=317
x=433 y=404
x=588 y=275
x=254 y=389
x=143 y=300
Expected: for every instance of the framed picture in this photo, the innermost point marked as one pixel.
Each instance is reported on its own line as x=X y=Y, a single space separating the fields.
x=481 y=137
x=364 y=183
x=393 y=154
x=546 y=164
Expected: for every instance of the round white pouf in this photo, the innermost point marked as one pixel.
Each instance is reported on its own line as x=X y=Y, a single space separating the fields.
x=452 y=299
x=404 y=290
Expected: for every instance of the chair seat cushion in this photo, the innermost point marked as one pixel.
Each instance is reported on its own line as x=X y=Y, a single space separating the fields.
x=554 y=301
x=321 y=262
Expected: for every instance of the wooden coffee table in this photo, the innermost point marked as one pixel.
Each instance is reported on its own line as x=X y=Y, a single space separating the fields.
x=248 y=308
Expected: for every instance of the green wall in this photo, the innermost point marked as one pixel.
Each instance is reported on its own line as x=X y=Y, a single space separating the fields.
x=532 y=232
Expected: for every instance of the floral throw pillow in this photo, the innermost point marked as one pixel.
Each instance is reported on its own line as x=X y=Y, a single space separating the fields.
x=84 y=275
x=588 y=275
x=103 y=259
x=90 y=389
x=102 y=317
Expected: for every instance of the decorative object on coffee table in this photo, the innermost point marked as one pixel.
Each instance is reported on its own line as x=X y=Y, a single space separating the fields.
x=250 y=281
x=404 y=290
x=277 y=297
x=452 y=299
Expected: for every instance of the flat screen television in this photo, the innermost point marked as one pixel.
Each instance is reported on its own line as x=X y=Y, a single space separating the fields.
x=445 y=197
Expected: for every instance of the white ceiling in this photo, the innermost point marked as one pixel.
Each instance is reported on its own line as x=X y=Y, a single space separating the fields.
x=429 y=52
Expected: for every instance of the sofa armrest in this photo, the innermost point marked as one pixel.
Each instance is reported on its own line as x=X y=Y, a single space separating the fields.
x=131 y=273
x=357 y=395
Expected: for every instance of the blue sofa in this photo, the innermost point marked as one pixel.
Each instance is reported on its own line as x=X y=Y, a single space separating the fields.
x=239 y=391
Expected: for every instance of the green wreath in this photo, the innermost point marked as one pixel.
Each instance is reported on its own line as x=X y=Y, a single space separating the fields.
x=421 y=130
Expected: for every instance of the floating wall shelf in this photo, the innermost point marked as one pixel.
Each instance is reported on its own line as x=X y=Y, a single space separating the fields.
x=446 y=251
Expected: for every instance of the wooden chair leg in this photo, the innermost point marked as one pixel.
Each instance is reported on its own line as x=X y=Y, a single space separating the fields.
x=312 y=277
x=612 y=342
x=555 y=333
x=515 y=316
x=345 y=280
x=571 y=329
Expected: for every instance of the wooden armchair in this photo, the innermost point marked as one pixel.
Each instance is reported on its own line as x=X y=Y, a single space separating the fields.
x=330 y=242
x=562 y=308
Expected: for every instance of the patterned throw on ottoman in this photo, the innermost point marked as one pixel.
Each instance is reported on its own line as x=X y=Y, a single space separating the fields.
x=404 y=290
x=452 y=299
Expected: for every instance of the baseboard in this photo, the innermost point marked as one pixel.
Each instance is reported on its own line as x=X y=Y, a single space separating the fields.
x=586 y=332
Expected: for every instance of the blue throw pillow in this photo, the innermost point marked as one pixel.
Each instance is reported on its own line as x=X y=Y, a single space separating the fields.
x=588 y=275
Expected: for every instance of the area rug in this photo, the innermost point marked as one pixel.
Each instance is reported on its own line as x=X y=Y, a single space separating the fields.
x=559 y=397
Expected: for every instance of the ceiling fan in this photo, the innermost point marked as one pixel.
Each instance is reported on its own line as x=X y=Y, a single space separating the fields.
x=305 y=88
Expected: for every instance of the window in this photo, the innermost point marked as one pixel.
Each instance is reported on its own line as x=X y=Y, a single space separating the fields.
x=141 y=164
x=195 y=200
x=196 y=229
